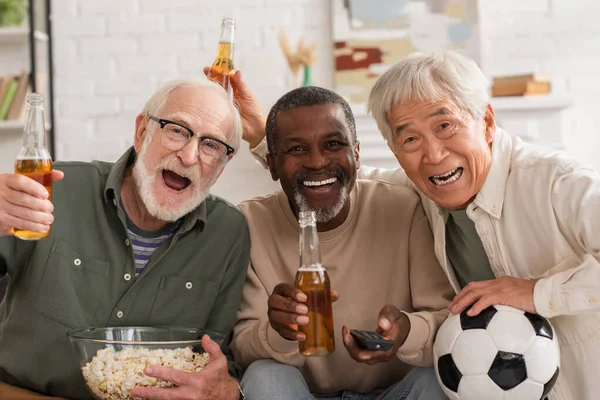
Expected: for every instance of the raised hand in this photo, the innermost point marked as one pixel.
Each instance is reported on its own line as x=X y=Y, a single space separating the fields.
x=253 y=118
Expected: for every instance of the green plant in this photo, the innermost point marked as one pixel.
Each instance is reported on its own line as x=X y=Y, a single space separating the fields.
x=12 y=12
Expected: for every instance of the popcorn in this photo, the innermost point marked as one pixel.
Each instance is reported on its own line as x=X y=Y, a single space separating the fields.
x=111 y=375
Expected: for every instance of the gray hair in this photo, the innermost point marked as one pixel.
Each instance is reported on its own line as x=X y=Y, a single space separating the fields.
x=158 y=100
x=428 y=77
x=306 y=96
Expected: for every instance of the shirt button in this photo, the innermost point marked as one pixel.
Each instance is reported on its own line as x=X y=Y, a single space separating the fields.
x=593 y=300
x=441 y=240
x=127 y=242
x=77 y=262
x=120 y=314
x=494 y=210
x=551 y=306
x=127 y=277
x=189 y=285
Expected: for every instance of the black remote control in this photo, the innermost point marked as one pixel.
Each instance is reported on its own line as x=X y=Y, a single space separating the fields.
x=371 y=340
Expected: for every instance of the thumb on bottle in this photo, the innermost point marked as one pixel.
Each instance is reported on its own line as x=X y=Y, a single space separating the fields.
x=334 y=296
x=240 y=83
x=57 y=175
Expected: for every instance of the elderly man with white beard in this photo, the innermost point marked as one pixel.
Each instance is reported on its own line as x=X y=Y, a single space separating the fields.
x=139 y=242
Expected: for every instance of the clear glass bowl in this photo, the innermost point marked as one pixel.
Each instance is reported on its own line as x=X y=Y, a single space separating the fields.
x=112 y=359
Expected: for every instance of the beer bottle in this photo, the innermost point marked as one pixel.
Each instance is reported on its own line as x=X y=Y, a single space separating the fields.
x=222 y=69
x=34 y=159
x=312 y=279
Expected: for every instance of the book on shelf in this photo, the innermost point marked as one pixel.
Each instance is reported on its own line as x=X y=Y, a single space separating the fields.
x=524 y=78
x=4 y=84
x=17 y=108
x=13 y=93
x=8 y=99
x=522 y=89
x=532 y=84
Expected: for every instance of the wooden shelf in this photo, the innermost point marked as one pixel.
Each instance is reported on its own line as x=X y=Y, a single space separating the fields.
x=15 y=126
x=11 y=126
x=530 y=103
x=19 y=34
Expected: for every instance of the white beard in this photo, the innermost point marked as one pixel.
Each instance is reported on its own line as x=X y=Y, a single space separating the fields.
x=322 y=214
x=167 y=210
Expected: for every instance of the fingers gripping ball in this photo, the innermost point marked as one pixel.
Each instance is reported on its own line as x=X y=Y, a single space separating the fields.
x=503 y=352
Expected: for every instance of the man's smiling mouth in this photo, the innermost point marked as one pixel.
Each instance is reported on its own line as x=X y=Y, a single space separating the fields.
x=447 y=178
x=324 y=182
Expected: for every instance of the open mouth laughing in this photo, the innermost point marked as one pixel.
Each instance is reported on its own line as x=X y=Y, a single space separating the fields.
x=175 y=181
x=447 y=178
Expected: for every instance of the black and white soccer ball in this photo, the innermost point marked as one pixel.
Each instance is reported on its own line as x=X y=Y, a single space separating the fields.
x=501 y=354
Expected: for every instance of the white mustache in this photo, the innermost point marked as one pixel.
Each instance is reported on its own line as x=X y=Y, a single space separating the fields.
x=172 y=163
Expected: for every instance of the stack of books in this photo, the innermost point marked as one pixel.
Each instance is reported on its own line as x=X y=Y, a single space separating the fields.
x=13 y=91
x=522 y=85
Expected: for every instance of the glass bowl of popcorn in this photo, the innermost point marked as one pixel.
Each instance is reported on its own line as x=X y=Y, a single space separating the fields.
x=112 y=359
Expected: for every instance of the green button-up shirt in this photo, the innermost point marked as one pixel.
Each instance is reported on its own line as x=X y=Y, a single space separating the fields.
x=83 y=275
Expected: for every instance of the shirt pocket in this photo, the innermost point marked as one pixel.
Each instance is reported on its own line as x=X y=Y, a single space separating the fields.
x=183 y=302
x=72 y=288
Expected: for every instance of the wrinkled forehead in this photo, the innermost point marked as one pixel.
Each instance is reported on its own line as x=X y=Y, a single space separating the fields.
x=424 y=109
x=203 y=109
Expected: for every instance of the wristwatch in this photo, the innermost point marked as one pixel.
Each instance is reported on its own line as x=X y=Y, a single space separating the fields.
x=242 y=395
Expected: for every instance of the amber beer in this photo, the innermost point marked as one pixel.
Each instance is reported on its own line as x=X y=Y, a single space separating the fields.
x=33 y=160
x=313 y=280
x=222 y=69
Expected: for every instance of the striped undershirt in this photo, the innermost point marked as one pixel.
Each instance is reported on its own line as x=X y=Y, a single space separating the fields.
x=144 y=243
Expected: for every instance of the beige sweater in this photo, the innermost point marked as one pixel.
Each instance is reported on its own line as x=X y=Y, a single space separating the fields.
x=382 y=254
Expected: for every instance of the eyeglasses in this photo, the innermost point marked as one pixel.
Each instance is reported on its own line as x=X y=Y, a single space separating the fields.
x=175 y=137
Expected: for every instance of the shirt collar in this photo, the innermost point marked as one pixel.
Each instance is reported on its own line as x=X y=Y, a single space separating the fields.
x=491 y=196
x=112 y=192
x=112 y=189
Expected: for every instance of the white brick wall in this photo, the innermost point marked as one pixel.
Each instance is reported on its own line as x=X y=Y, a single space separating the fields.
x=112 y=54
x=556 y=36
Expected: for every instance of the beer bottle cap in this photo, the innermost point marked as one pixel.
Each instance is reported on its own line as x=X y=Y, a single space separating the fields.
x=228 y=21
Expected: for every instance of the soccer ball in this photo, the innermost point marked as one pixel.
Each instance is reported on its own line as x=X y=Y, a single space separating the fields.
x=501 y=354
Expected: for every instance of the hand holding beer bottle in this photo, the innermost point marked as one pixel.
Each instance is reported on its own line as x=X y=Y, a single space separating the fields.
x=312 y=279
x=303 y=312
x=25 y=196
x=287 y=310
x=253 y=117
x=221 y=70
